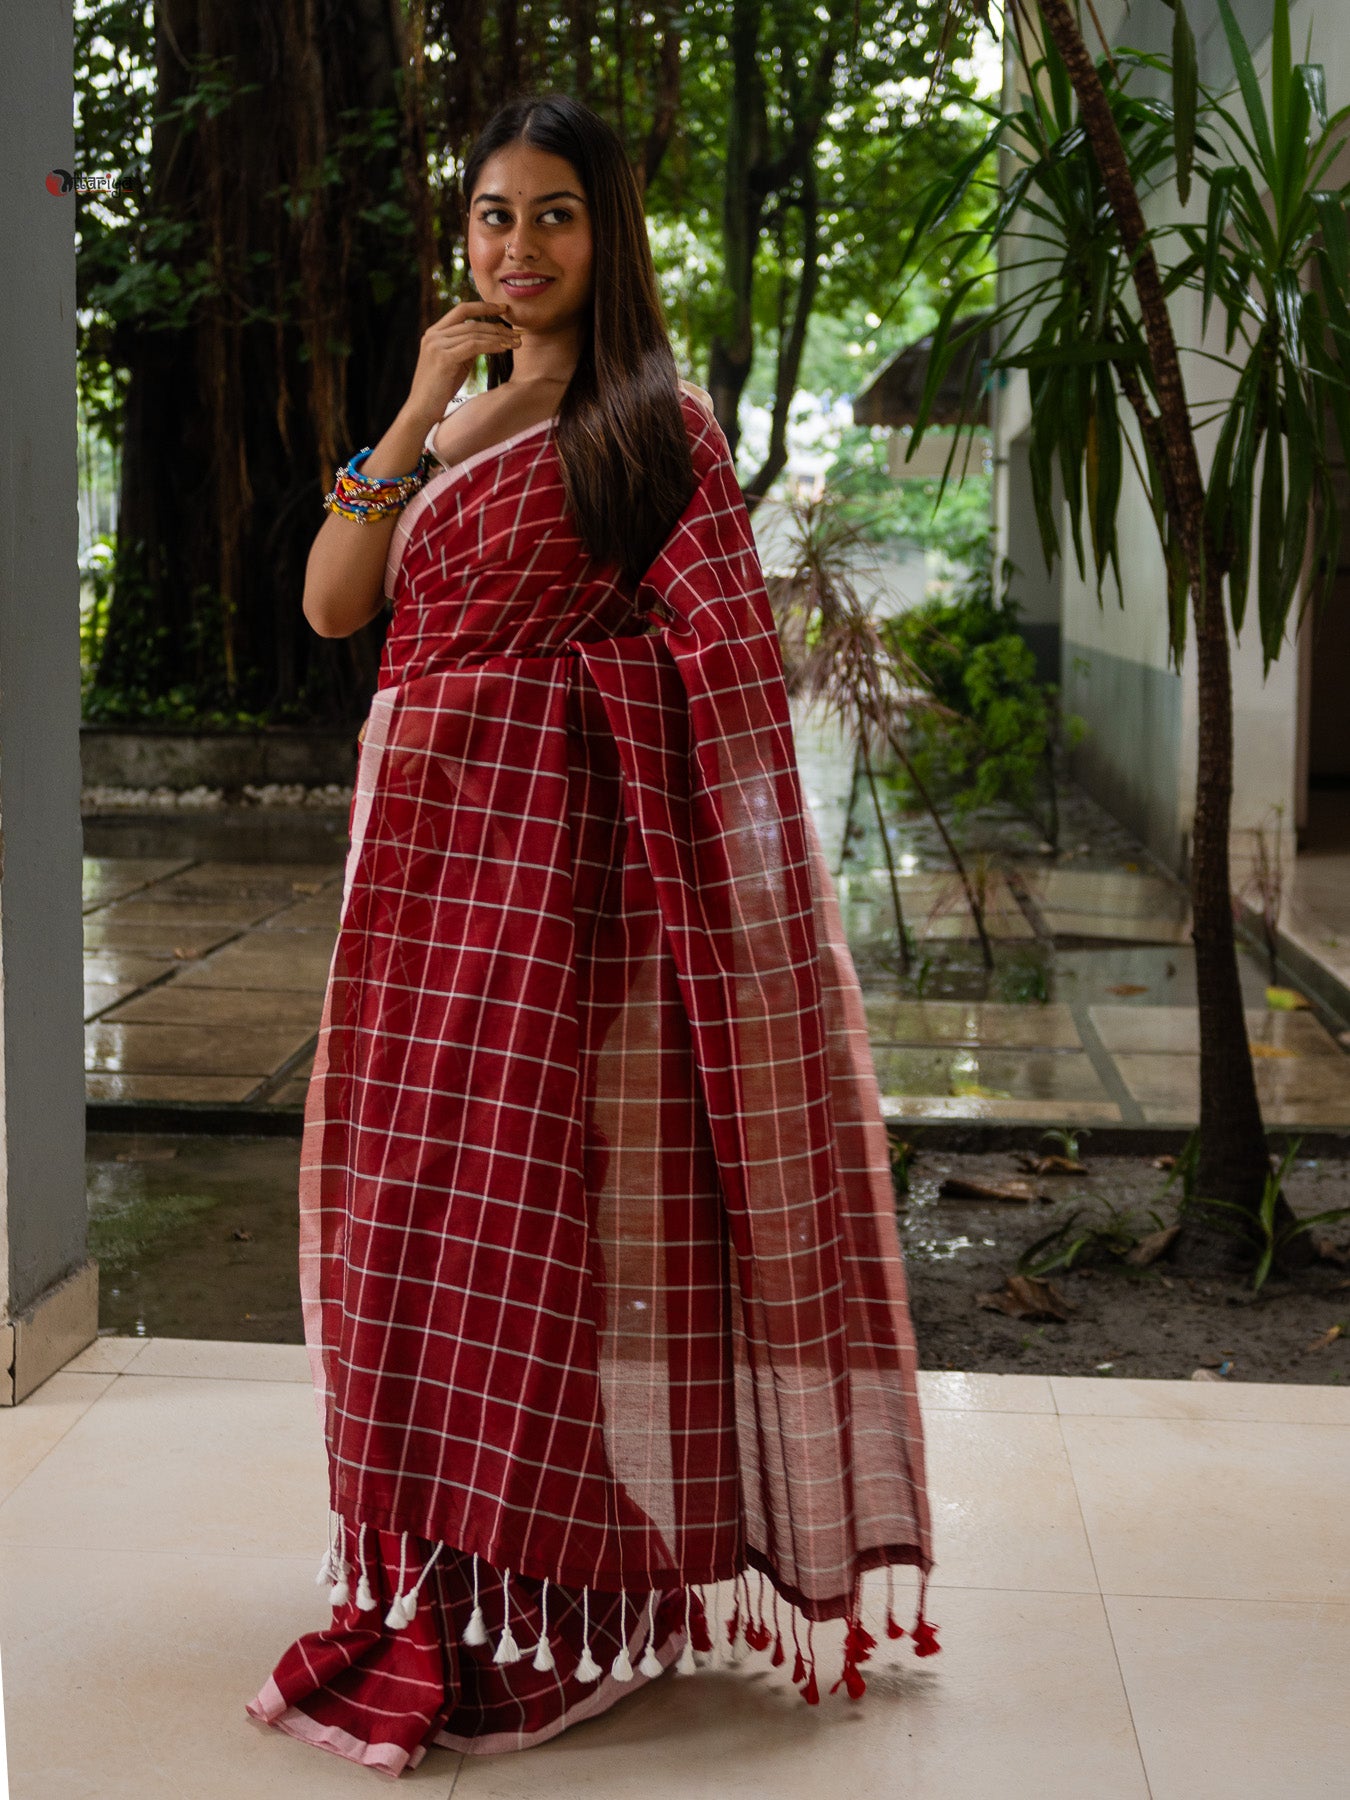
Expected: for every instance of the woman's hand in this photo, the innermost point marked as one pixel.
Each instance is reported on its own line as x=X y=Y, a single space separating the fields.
x=345 y=573
x=449 y=350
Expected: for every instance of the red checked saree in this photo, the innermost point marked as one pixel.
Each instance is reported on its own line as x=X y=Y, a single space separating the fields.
x=602 y=1287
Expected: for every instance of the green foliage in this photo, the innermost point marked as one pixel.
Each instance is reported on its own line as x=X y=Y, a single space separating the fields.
x=1062 y=1247
x=1261 y=1229
x=996 y=731
x=1273 y=254
x=953 y=519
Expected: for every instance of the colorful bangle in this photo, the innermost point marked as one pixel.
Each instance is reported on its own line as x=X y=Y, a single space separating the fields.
x=362 y=498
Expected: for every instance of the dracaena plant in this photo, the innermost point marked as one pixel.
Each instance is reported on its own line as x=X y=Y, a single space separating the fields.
x=1091 y=217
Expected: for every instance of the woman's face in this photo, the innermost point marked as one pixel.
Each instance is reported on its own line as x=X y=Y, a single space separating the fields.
x=529 y=238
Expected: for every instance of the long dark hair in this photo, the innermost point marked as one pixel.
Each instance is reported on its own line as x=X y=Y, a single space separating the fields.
x=621 y=436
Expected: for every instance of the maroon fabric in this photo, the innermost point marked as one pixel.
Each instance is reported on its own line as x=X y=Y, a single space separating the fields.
x=599 y=1264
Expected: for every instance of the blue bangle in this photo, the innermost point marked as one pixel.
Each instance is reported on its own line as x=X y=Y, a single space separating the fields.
x=386 y=481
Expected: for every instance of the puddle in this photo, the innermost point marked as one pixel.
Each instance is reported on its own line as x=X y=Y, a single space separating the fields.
x=195 y=1236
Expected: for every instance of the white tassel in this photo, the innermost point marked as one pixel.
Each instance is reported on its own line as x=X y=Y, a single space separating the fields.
x=327 y=1568
x=686 y=1664
x=364 y=1598
x=410 y=1598
x=475 y=1632
x=543 y=1650
x=588 y=1669
x=622 y=1666
x=397 y=1617
x=342 y=1591
x=650 y=1665
x=508 y=1650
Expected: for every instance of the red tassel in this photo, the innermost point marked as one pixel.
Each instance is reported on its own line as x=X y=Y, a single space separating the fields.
x=858 y=1642
x=779 y=1656
x=798 y=1669
x=811 y=1693
x=758 y=1635
x=734 y=1624
x=852 y=1680
x=925 y=1639
x=893 y=1630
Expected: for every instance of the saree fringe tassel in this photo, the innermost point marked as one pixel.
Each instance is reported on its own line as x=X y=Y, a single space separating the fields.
x=748 y=1629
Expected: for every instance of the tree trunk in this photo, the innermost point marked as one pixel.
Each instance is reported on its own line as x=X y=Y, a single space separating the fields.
x=791 y=343
x=733 y=345
x=1233 y=1158
x=285 y=361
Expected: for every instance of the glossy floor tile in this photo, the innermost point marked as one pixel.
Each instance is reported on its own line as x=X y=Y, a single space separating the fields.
x=1029 y=1703
x=970 y=1108
x=1295 y=1090
x=1237 y=1699
x=975 y=1023
x=1218 y=1509
x=204 y=1048
x=989 y=1074
x=233 y=1465
x=1176 y=1029
x=1140 y=1592
x=132 y=1685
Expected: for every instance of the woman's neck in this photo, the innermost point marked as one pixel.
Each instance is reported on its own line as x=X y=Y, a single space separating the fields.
x=547 y=355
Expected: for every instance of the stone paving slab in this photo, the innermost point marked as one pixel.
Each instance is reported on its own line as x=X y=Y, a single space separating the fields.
x=205 y=980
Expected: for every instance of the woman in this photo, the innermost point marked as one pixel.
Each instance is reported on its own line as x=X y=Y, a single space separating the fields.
x=601 y=1280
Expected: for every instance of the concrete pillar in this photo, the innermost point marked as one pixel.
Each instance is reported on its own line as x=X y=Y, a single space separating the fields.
x=48 y=1286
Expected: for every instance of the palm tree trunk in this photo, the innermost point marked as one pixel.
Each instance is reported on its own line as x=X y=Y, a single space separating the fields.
x=886 y=852
x=1233 y=1157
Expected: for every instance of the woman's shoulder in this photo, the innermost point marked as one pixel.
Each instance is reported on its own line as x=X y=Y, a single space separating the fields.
x=700 y=396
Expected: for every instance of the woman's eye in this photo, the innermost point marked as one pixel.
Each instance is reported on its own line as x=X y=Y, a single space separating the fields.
x=556 y=213
x=492 y=215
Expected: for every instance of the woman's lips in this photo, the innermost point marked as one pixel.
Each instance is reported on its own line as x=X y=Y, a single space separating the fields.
x=527 y=284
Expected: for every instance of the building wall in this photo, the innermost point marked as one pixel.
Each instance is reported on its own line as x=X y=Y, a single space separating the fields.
x=1139 y=755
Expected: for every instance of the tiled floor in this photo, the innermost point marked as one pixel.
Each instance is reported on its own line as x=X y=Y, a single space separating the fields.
x=1142 y=1591
x=205 y=983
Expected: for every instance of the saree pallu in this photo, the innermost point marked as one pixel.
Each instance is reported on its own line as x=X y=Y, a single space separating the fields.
x=601 y=1280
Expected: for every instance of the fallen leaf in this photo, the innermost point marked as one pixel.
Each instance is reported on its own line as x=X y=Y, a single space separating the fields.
x=184 y=955
x=971 y=1090
x=1164 y=1162
x=1150 y=1248
x=1343 y=1037
x=1327 y=1339
x=1281 y=999
x=1027 y=1297
x=1259 y=1049
x=243 y=1237
x=1167 y=1281
x=1327 y=1250
x=956 y=1187
x=1127 y=987
x=1050 y=1165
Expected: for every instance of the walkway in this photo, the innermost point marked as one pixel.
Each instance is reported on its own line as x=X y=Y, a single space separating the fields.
x=205 y=981
x=1142 y=1591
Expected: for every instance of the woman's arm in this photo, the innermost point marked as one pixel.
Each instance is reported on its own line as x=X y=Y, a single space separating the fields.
x=344 y=577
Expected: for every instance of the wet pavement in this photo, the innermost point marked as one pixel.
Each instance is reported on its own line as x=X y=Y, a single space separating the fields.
x=205 y=977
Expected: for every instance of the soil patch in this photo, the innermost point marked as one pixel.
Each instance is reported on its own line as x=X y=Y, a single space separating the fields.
x=1151 y=1321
